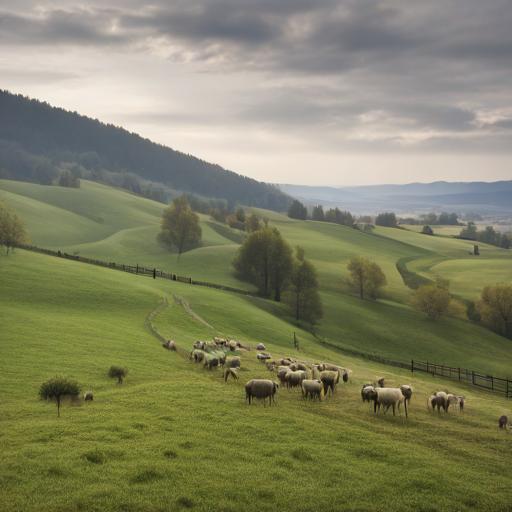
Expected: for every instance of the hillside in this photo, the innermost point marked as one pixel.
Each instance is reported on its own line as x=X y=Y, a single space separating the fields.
x=64 y=219
x=145 y=445
x=30 y=128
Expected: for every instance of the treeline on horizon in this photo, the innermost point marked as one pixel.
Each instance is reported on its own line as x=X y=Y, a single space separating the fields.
x=38 y=141
x=489 y=236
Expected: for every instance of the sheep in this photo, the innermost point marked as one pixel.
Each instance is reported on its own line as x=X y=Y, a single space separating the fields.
x=329 y=379
x=258 y=388
x=88 y=397
x=366 y=392
x=210 y=361
x=389 y=397
x=380 y=382
x=232 y=362
x=281 y=375
x=169 y=344
x=260 y=346
x=444 y=400
x=503 y=422
x=313 y=388
x=294 y=379
x=462 y=401
x=263 y=357
x=228 y=372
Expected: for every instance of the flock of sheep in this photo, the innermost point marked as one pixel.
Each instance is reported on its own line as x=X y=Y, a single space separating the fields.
x=316 y=380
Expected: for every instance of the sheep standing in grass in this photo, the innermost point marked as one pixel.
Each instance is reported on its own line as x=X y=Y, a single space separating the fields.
x=389 y=397
x=233 y=362
x=503 y=422
x=443 y=400
x=432 y=402
x=368 y=393
x=330 y=379
x=228 y=372
x=313 y=388
x=407 y=394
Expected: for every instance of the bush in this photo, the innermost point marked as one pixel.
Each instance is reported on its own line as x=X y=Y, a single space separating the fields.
x=118 y=372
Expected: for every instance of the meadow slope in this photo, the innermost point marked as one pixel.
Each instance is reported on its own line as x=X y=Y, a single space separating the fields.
x=175 y=437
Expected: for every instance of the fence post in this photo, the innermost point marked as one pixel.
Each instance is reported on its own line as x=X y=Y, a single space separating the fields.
x=492 y=382
x=427 y=367
x=473 y=378
x=137 y=269
x=459 y=374
x=412 y=365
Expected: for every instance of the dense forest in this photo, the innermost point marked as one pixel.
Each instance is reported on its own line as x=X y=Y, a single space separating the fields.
x=36 y=138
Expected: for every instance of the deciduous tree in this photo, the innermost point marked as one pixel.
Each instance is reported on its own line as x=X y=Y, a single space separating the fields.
x=297 y=211
x=495 y=308
x=12 y=229
x=366 y=277
x=432 y=300
x=180 y=226
x=264 y=259
x=57 y=388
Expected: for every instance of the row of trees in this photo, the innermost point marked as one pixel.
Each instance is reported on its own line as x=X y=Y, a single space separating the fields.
x=432 y=219
x=486 y=236
x=284 y=274
x=13 y=231
x=493 y=309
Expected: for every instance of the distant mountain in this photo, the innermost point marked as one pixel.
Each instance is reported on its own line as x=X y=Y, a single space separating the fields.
x=439 y=196
x=30 y=128
x=432 y=189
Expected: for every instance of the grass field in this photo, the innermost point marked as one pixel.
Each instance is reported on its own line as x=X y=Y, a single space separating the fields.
x=175 y=437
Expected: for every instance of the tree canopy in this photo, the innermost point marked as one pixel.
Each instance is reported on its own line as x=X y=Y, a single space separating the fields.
x=180 y=226
x=495 y=308
x=297 y=210
x=57 y=388
x=13 y=231
x=386 y=219
x=366 y=277
x=264 y=259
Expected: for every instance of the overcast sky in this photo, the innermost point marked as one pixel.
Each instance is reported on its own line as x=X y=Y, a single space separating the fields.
x=320 y=92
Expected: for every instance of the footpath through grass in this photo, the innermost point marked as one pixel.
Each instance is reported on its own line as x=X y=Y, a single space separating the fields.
x=175 y=437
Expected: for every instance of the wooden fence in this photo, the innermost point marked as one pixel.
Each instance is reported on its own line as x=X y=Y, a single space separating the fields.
x=503 y=386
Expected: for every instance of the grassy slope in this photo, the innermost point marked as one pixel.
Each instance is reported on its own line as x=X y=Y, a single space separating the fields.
x=349 y=322
x=175 y=437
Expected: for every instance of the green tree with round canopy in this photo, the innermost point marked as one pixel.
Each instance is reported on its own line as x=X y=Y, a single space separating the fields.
x=180 y=226
x=13 y=231
x=57 y=388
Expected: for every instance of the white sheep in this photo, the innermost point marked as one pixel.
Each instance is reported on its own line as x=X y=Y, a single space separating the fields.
x=389 y=397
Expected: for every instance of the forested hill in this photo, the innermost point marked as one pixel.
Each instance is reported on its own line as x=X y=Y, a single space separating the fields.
x=28 y=126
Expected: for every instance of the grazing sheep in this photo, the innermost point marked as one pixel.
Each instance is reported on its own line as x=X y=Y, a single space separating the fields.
x=345 y=376
x=444 y=400
x=260 y=346
x=210 y=361
x=281 y=375
x=285 y=362
x=503 y=422
x=294 y=378
x=329 y=379
x=169 y=345
x=407 y=393
x=88 y=397
x=233 y=362
x=461 y=400
x=380 y=382
x=432 y=402
x=389 y=397
x=270 y=365
x=228 y=372
x=301 y=366
x=263 y=357
x=313 y=388
x=259 y=388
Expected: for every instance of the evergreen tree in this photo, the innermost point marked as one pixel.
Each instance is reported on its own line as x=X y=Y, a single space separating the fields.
x=297 y=211
x=302 y=295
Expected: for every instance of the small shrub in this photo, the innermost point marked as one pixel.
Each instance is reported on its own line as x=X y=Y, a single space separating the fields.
x=185 y=502
x=118 y=372
x=95 y=456
x=145 y=476
x=171 y=454
x=301 y=454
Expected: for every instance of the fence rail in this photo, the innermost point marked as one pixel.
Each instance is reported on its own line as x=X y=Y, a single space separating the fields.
x=503 y=386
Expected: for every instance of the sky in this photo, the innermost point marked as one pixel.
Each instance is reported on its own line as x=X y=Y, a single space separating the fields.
x=320 y=92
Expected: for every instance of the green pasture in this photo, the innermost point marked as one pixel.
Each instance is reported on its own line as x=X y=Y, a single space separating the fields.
x=176 y=437
x=447 y=231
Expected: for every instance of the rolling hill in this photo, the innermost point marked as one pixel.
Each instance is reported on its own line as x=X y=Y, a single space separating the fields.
x=176 y=437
